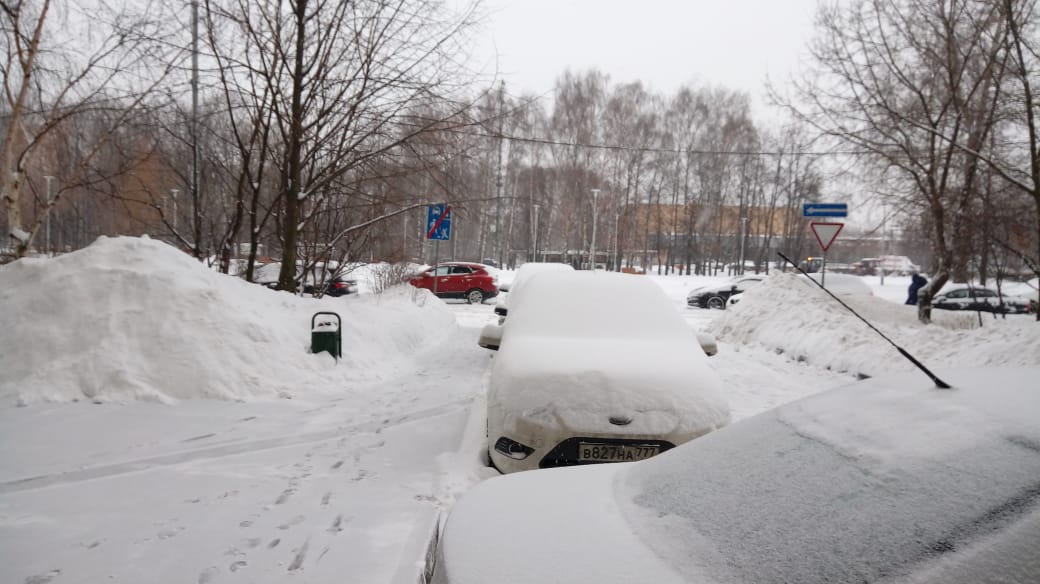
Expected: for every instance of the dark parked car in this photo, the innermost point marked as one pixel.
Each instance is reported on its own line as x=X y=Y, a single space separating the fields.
x=336 y=286
x=463 y=280
x=715 y=296
x=963 y=297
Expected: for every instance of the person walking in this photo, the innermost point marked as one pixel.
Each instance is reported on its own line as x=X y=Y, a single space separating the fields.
x=917 y=281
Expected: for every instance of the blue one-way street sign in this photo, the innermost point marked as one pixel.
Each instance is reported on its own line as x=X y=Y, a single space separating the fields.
x=825 y=210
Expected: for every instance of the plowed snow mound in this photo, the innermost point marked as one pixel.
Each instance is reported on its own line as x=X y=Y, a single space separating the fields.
x=135 y=319
x=788 y=315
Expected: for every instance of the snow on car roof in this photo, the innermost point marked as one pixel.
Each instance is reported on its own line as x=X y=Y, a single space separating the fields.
x=843 y=284
x=528 y=270
x=882 y=478
x=594 y=304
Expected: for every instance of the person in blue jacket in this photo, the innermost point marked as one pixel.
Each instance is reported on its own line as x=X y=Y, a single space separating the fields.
x=917 y=281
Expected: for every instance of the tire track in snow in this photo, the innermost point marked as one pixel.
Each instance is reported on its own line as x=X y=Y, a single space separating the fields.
x=216 y=452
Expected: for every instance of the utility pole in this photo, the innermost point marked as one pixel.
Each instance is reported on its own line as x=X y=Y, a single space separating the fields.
x=47 y=210
x=592 y=250
x=498 y=177
x=197 y=235
x=617 y=260
x=743 y=236
x=884 y=240
x=534 y=245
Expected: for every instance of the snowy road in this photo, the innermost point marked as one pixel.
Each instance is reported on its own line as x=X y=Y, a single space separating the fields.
x=213 y=492
x=343 y=489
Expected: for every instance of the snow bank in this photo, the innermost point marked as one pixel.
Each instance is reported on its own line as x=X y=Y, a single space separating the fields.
x=135 y=319
x=787 y=316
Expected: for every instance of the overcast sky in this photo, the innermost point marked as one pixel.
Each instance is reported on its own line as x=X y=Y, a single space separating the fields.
x=664 y=43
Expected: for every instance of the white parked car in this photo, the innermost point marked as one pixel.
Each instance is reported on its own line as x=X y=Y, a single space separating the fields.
x=596 y=367
x=491 y=333
x=884 y=480
x=964 y=297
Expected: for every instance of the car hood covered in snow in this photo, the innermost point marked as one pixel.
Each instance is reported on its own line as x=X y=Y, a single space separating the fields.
x=578 y=383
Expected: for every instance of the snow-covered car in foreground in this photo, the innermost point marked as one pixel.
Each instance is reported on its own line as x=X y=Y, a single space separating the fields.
x=491 y=334
x=884 y=480
x=715 y=295
x=606 y=372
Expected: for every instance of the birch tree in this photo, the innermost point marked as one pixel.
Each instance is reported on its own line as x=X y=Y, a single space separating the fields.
x=53 y=72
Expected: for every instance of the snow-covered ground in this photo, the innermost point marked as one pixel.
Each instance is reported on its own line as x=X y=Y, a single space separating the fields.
x=163 y=423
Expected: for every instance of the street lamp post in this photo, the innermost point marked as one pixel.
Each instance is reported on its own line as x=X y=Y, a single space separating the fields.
x=47 y=210
x=884 y=240
x=174 y=193
x=592 y=250
x=617 y=260
x=743 y=236
x=534 y=244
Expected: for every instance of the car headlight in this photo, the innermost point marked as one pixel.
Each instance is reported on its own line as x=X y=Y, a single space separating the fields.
x=512 y=448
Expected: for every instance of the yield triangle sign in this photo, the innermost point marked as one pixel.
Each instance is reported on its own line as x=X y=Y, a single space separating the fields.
x=826 y=233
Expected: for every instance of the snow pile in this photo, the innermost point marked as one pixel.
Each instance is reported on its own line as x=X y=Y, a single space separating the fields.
x=135 y=319
x=786 y=315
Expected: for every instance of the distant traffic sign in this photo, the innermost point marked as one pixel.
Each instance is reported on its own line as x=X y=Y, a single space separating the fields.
x=438 y=222
x=826 y=233
x=825 y=210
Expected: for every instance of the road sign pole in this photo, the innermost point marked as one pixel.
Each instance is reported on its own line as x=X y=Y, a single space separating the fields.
x=823 y=272
x=436 y=259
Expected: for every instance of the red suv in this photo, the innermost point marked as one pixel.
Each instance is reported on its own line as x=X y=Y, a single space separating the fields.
x=470 y=282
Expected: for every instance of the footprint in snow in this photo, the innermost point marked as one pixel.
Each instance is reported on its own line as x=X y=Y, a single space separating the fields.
x=42 y=578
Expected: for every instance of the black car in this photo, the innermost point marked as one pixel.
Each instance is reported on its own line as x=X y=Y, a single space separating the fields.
x=715 y=296
x=335 y=287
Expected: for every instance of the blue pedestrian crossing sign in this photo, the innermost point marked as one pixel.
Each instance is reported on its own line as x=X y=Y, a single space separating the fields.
x=438 y=222
x=825 y=210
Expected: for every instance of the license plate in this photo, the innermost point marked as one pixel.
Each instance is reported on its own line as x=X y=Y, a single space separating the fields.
x=589 y=451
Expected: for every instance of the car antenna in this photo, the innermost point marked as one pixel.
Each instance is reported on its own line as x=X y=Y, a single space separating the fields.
x=935 y=378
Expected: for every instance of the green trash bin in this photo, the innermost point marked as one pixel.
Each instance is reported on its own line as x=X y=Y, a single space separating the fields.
x=326 y=334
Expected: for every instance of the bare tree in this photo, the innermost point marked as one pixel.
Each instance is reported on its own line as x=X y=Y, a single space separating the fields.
x=891 y=75
x=49 y=82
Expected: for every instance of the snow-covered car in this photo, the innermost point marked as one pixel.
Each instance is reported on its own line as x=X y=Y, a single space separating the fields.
x=839 y=284
x=715 y=295
x=964 y=297
x=884 y=480
x=606 y=372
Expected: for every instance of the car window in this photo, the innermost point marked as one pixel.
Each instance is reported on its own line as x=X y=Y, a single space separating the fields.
x=957 y=294
x=747 y=283
x=443 y=270
x=460 y=270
